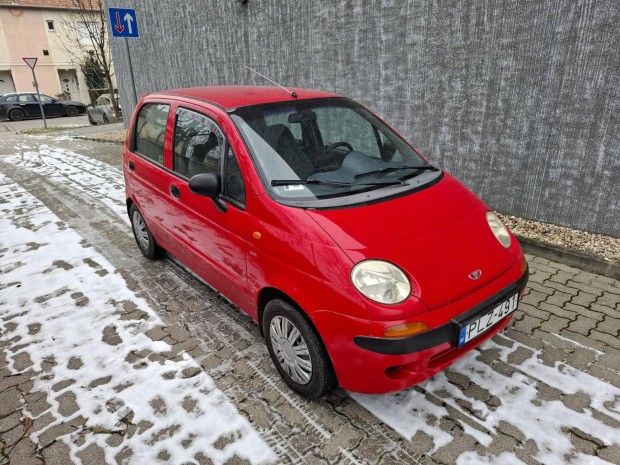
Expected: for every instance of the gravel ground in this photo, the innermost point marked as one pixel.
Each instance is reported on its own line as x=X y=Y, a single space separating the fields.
x=605 y=247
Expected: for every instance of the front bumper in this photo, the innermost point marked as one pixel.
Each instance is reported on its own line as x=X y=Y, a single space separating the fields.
x=436 y=336
x=377 y=365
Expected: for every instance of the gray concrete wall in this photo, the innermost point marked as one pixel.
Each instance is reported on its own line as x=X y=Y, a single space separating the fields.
x=517 y=98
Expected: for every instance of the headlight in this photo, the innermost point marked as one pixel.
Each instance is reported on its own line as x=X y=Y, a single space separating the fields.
x=381 y=281
x=499 y=230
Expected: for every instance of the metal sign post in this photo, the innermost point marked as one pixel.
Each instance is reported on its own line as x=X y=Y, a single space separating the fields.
x=31 y=62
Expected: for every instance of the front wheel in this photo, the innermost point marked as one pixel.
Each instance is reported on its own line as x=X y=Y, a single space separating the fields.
x=145 y=240
x=90 y=120
x=297 y=351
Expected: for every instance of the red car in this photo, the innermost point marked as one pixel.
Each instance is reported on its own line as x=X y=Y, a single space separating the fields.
x=364 y=265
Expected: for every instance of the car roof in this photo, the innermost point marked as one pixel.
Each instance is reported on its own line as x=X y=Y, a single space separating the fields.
x=239 y=96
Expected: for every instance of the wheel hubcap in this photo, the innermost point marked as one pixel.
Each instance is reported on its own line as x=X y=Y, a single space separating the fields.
x=291 y=349
x=139 y=227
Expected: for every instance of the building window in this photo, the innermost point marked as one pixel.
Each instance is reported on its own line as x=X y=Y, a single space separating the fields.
x=88 y=32
x=50 y=25
x=46 y=52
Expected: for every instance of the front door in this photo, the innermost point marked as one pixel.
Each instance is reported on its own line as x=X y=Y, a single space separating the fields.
x=69 y=84
x=212 y=239
x=51 y=106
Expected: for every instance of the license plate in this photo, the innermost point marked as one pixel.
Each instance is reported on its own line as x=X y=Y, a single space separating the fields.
x=480 y=324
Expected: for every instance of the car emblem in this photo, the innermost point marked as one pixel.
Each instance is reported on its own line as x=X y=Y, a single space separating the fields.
x=474 y=275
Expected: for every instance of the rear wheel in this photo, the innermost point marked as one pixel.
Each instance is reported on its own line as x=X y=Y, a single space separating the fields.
x=71 y=111
x=145 y=240
x=16 y=115
x=297 y=351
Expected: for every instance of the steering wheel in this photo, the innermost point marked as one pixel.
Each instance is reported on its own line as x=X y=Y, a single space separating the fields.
x=323 y=156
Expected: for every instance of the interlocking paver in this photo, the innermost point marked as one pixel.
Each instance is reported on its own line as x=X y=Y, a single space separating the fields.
x=610 y=326
x=584 y=311
x=610 y=300
x=561 y=287
x=562 y=277
x=540 y=288
x=606 y=338
x=555 y=324
x=558 y=310
x=582 y=325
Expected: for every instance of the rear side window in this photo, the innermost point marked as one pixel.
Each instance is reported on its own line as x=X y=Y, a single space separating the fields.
x=26 y=98
x=150 y=131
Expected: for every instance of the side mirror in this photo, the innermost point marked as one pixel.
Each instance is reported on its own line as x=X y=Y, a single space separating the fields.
x=208 y=185
x=54 y=100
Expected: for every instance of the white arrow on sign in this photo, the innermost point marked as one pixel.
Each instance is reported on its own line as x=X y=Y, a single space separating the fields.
x=128 y=19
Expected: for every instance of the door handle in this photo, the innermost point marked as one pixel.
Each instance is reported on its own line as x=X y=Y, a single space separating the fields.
x=174 y=190
x=131 y=165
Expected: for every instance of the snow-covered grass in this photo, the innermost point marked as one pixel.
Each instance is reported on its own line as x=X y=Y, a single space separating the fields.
x=52 y=280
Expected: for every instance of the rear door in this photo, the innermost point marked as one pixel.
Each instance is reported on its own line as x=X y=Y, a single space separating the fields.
x=213 y=241
x=146 y=179
x=29 y=105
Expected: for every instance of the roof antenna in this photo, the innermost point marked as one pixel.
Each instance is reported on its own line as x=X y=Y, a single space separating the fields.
x=293 y=94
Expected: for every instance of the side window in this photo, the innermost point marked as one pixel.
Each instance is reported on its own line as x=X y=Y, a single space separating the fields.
x=26 y=98
x=150 y=131
x=12 y=98
x=234 y=188
x=198 y=144
x=45 y=98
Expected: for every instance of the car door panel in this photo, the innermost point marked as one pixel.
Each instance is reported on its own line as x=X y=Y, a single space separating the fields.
x=145 y=176
x=213 y=242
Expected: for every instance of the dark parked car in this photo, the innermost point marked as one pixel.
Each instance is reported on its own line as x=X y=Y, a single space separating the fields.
x=16 y=107
x=103 y=111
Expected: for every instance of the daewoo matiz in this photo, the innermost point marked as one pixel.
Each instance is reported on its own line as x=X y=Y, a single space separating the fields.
x=364 y=265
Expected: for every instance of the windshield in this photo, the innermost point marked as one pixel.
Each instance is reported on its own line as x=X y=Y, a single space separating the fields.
x=313 y=150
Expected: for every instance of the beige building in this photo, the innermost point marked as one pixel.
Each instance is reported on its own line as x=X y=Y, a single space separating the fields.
x=48 y=30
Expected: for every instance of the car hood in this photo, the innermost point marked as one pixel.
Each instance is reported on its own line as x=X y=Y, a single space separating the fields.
x=438 y=236
x=71 y=102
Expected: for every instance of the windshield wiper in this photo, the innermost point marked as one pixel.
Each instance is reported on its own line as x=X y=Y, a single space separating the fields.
x=387 y=169
x=293 y=182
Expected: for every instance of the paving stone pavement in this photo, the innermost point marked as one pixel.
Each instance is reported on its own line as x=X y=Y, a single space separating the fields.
x=568 y=322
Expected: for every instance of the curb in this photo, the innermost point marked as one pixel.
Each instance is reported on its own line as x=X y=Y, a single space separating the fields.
x=576 y=258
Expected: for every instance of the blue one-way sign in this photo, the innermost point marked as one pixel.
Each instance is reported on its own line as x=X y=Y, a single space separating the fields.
x=124 y=22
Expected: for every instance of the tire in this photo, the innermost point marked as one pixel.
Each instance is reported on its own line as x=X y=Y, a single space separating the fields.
x=145 y=240
x=16 y=115
x=71 y=111
x=90 y=119
x=105 y=119
x=297 y=350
